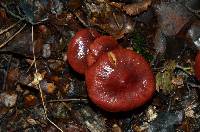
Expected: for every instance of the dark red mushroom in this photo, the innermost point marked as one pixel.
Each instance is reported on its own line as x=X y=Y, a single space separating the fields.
x=197 y=66
x=78 y=49
x=120 y=80
x=99 y=46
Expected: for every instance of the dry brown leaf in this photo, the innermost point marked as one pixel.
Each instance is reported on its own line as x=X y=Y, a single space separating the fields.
x=136 y=8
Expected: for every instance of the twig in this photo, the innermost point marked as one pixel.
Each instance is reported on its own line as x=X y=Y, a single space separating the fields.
x=6 y=73
x=62 y=100
x=30 y=66
x=8 y=28
x=116 y=21
x=66 y=100
x=193 y=85
x=80 y=19
x=12 y=14
x=54 y=125
x=3 y=44
x=41 y=92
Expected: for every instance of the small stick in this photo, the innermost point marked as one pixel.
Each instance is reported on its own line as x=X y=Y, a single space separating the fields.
x=41 y=93
x=3 y=44
x=13 y=25
x=66 y=100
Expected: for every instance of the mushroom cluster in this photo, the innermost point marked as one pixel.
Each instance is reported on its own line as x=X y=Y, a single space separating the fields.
x=117 y=79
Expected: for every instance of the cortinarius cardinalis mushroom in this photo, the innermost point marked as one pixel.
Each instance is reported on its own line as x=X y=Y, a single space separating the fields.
x=99 y=46
x=197 y=66
x=117 y=79
x=120 y=80
x=78 y=49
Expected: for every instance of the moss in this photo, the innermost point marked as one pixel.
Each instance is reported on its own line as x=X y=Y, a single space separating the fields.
x=138 y=45
x=164 y=78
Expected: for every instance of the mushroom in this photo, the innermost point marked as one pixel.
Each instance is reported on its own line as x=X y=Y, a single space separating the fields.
x=197 y=66
x=78 y=49
x=99 y=46
x=120 y=80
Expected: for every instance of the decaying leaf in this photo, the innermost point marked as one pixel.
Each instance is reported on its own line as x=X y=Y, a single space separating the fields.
x=8 y=99
x=37 y=78
x=108 y=18
x=136 y=8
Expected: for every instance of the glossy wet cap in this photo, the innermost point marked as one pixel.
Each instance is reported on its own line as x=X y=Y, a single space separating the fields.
x=99 y=46
x=78 y=49
x=120 y=80
x=197 y=66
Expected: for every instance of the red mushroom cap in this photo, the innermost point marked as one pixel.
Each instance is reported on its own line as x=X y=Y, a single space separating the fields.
x=120 y=80
x=99 y=46
x=78 y=49
x=197 y=66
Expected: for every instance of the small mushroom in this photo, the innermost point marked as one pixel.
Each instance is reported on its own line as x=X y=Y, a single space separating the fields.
x=197 y=66
x=78 y=49
x=99 y=46
x=120 y=80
